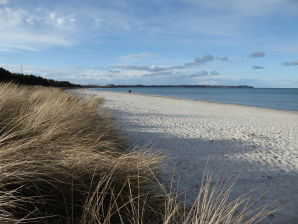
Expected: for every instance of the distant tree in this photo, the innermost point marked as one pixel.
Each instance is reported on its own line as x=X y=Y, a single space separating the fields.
x=7 y=76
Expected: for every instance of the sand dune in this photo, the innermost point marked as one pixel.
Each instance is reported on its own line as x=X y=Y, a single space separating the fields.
x=259 y=144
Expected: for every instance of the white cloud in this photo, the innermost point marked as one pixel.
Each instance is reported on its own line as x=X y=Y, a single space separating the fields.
x=118 y=18
x=33 y=30
x=3 y=2
x=136 y=56
x=60 y=21
x=10 y=18
x=25 y=40
x=114 y=74
x=102 y=76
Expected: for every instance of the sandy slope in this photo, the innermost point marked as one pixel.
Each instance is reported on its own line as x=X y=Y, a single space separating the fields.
x=260 y=144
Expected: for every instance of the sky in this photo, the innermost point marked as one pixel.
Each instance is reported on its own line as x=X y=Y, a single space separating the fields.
x=214 y=42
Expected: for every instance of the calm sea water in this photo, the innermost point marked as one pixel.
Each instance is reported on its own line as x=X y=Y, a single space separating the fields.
x=274 y=98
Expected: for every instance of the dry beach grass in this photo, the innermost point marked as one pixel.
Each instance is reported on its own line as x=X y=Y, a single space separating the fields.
x=62 y=162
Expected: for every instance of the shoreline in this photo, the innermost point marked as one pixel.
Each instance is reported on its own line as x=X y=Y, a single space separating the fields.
x=194 y=100
x=260 y=144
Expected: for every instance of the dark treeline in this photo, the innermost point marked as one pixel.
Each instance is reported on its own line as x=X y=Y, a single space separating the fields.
x=7 y=76
x=197 y=86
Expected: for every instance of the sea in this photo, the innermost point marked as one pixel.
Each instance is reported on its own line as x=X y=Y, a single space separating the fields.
x=273 y=98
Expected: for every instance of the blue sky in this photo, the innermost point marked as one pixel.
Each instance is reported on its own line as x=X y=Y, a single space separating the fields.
x=224 y=42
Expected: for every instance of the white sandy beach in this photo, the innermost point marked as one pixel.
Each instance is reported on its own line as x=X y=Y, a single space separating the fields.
x=259 y=144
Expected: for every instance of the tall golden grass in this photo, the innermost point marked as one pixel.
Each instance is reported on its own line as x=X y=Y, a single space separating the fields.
x=62 y=162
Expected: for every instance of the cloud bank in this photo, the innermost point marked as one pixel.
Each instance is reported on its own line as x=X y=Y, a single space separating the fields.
x=292 y=63
x=204 y=59
x=258 y=67
x=257 y=54
x=203 y=73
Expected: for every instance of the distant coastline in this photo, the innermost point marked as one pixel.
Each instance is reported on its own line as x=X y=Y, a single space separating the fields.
x=159 y=86
x=280 y=99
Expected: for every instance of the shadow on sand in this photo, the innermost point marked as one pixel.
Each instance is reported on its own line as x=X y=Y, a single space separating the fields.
x=186 y=159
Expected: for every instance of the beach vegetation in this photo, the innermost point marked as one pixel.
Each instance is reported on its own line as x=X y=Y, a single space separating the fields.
x=63 y=161
x=20 y=78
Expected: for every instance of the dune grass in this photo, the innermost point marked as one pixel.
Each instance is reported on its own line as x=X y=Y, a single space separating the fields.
x=61 y=161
